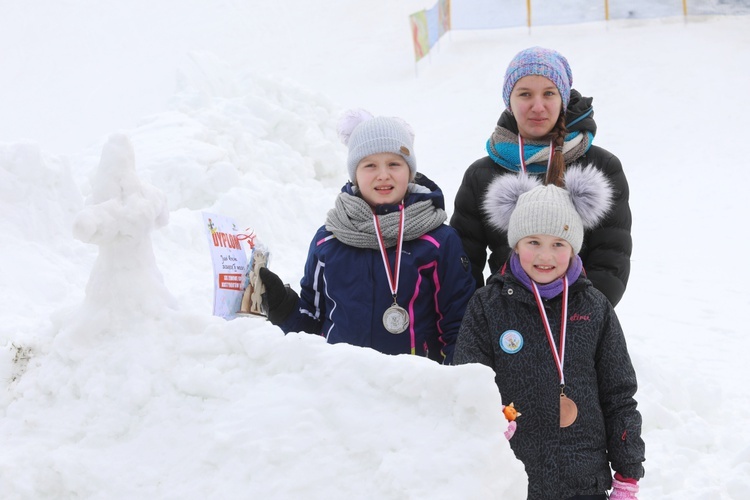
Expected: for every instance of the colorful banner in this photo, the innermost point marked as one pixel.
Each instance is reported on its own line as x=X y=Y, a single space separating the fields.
x=419 y=36
x=230 y=264
x=427 y=26
x=444 y=15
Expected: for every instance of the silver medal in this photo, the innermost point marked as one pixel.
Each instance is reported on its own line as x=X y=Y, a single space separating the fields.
x=396 y=319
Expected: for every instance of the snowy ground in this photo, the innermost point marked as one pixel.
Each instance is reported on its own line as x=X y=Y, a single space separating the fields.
x=120 y=383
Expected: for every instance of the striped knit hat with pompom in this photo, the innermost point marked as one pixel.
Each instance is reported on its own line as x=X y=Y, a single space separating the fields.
x=366 y=135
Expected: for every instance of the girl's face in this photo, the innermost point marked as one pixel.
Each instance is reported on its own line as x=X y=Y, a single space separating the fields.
x=383 y=178
x=536 y=104
x=545 y=258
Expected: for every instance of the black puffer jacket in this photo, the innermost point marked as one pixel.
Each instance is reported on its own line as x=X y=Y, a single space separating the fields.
x=606 y=249
x=599 y=376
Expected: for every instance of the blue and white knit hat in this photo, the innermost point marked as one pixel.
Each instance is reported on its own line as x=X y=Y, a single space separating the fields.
x=543 y=62
x=366 y=135
x=520 y=205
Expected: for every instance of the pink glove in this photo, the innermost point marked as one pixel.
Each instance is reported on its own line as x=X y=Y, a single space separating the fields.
x=511 y=430
x=511 y=414
x=623 y=489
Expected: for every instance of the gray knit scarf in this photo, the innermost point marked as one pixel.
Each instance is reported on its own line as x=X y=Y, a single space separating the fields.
x=351 y=222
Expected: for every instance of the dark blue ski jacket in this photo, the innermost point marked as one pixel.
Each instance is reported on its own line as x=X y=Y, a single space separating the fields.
x=345 y=290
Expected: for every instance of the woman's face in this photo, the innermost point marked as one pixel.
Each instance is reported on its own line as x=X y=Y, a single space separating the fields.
x=383 y=178
x=536 y=104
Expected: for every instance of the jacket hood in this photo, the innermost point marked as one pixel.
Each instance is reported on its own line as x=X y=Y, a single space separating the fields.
x=579 y=116
x=420 y=189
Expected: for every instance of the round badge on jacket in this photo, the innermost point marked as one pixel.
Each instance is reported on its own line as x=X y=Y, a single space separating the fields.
x=511 y=341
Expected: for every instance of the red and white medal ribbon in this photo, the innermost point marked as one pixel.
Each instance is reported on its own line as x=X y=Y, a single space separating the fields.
x=392 y=275
x=568 y=408
x=395 y=318
x=559 y=356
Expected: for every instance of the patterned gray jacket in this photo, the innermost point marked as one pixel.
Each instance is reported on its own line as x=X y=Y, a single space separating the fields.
x=599 y=377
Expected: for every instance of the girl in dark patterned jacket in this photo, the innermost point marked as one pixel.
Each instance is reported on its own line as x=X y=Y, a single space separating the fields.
x=553 y=125
x=555 y=343
x=384 y=271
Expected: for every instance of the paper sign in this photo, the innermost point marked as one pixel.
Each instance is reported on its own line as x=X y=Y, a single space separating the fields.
x=229 y=262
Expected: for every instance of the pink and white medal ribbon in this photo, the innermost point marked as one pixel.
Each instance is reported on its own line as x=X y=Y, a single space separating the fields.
x=568 y=408
x=395 y=318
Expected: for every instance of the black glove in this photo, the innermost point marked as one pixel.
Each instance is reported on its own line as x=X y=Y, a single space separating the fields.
x=280 y=298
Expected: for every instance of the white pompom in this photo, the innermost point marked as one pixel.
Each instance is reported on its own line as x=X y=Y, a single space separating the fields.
x=502 y=196
x=349 y=121
x=591 y=193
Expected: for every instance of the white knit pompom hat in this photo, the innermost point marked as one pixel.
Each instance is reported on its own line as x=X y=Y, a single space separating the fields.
x=522 y=206
x=366 y=135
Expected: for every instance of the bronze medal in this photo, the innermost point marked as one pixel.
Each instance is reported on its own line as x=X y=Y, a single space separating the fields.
x=568 y=408
x=568 y=411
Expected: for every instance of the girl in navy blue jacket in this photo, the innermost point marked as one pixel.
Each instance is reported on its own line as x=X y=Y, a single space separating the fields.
x=384 y=271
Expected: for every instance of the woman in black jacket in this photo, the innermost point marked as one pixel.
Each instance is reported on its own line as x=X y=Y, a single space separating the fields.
x=553 y=125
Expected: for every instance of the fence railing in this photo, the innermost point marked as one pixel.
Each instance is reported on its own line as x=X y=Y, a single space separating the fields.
x=429 y=25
